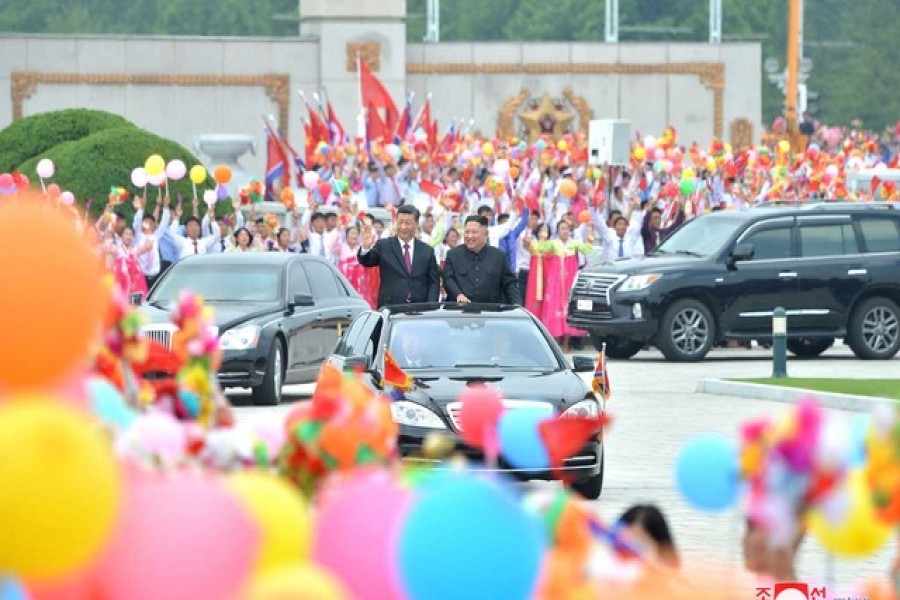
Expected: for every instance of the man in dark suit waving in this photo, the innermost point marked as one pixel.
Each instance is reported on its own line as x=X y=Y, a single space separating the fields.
x=409 y=271
x=477 y=272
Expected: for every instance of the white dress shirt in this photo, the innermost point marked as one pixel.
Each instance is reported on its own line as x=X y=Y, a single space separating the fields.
x=148 y=261
x=631 y=243
x=188 y=247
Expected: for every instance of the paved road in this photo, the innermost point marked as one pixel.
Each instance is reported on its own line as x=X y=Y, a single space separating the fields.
x=655 y=411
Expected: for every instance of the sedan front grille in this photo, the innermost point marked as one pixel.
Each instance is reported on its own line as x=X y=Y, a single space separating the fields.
x=454 y=409
x=161 y=334
x=596 y=285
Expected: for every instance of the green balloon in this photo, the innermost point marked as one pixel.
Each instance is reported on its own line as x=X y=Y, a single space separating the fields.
x=687 y=187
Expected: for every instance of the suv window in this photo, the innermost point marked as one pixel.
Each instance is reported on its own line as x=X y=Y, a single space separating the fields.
x=324 y=284
x=299 y=283
x=880 y=235
x=829 y=239
x=347 y=344
x=770 y=243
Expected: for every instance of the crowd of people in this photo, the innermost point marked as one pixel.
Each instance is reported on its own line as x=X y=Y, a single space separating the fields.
x=542 y=205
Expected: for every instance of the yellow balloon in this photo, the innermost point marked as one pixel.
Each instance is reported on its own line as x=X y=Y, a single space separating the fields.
x=710 y=164
x=640 y=153
x=784 y=146
x=155 y=165
x=198 y=174
x=487 y=148
x=306 y=582
x=60 y=489
x=861 y=534
x=281 y=514
x=687 y=173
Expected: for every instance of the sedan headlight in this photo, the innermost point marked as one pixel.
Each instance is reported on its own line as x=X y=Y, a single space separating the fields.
x=415 y=415
x=240 y=338
x=636 y=283
x=585 y=409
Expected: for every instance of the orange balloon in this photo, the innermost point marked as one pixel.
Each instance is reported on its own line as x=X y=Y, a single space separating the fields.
x=222 y=174
x=568 y=188
x=52 y=301
x=584 y=217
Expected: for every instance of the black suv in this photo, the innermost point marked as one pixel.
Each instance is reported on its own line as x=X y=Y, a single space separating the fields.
x=834 y=266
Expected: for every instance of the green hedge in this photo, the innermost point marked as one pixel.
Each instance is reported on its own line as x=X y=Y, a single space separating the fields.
x=33 y=136
x=90 y=166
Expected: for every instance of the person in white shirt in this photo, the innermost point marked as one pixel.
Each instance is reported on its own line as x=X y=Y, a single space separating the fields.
x=145 y=227
x=623 y=239
x=225 y=230
x=191 y=243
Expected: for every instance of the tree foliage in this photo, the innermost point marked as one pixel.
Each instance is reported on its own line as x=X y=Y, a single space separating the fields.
x=853 y=45
x=93 y=151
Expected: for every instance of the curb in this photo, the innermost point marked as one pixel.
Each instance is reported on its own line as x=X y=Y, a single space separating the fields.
x=774 y=393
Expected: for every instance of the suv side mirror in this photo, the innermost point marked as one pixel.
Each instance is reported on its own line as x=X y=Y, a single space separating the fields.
x=583 y=364
x=741 y=252
x=136 y=299
x=302 y=300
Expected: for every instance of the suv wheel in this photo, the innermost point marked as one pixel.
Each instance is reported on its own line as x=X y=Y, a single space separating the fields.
x=874 y=331
x=686 y=332
x=269 y=392
x=616 y=348
x=809 y=347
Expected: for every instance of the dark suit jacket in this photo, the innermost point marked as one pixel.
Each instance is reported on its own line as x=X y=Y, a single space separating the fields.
x=482 y=277
x=423 y=285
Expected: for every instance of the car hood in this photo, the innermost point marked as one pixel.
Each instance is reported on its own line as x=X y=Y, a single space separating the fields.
x=560 y=388
x=224 y=315
x=646 y=264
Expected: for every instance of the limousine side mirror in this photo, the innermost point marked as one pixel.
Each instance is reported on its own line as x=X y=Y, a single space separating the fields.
x=741 y=252
x=302 y=300
x=353 y=363
x=583 y=364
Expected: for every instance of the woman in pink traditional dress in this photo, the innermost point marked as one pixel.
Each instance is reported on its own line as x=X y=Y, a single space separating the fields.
x=554 y=266
x=127 y=268
x=356 y=274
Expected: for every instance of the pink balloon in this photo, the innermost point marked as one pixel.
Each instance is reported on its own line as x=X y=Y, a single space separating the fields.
x=358 y=541
x=272 y=434
x=310 y=179
x=479 y=415
x=181 y=537
x=175 y=170
x=67 y=198
x=156 y=179
x=6 y=181
x=53 y=190
x=139 y=177
x=659 y=154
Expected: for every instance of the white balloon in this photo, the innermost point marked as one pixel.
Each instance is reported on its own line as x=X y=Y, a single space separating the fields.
x=501 y=167
x=46 y=168
x=209 y=196
x=157 y=179
x=139 y=177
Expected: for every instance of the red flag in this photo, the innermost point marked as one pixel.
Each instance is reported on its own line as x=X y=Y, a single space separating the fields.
x=432 y=189
x=393 y=374
x=374 y=94
x=317 y=127
x=423 y=119
x=564 y=437
x=376 y=129
x=875 y=182
x=309 y=144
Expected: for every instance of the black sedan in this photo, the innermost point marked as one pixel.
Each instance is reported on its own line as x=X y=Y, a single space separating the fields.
x=278 y=315
x=447 y=347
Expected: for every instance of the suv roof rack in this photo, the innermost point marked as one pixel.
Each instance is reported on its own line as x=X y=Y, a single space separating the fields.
x=418 y=307
x=829 y=204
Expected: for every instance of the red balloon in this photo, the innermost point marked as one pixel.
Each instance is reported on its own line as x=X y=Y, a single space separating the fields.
x=324 y=190
x=481 y=410
x=53 y=190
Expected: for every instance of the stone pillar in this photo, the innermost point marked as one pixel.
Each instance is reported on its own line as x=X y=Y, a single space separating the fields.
x=374 y=28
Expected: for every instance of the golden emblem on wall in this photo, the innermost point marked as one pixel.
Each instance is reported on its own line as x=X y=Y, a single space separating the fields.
x=543 y=115
x=369 y=52
x=741 y=134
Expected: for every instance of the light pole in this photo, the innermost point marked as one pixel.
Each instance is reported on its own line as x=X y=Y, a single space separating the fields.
x=779 y=78
x=433 y=21
x=612 y=22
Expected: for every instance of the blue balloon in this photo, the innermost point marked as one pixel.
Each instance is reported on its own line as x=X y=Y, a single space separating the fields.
x=707 y=473
x=10 y=589
x=469 y=537
x=108 y=403
x=520 y=439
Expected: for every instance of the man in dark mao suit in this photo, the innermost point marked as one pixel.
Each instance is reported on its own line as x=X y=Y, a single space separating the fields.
x=477 y=272
x=409 y=271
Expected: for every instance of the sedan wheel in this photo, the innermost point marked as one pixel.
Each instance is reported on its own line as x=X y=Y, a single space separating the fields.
x=687 y=331
x=874 y=331
x=268 y=393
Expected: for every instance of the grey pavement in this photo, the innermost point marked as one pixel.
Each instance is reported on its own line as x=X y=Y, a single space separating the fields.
x=655 y=411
